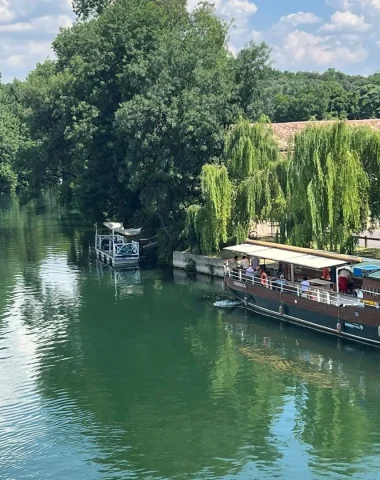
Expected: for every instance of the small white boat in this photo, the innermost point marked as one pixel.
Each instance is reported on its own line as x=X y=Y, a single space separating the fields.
x=227 y=304
x=113 y=248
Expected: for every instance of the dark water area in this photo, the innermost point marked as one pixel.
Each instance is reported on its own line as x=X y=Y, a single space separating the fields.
x=136 y=375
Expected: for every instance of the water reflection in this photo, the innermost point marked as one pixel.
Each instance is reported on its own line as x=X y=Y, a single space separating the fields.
x=130 y=375
x=126 y=281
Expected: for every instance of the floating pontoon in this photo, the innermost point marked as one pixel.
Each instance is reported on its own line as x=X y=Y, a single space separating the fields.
x=114 y=248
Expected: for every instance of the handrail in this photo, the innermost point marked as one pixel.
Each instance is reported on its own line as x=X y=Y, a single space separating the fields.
x=319 y=295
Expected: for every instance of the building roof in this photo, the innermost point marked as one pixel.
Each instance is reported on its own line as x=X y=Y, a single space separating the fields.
x=284 y=132
x=295 y=258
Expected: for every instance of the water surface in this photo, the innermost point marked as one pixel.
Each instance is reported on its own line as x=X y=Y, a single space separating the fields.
x=138 y=376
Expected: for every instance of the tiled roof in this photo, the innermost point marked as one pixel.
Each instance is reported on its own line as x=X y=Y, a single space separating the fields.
x=284 y=132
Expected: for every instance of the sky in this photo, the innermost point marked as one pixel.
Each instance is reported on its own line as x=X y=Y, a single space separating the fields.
x=304 y=34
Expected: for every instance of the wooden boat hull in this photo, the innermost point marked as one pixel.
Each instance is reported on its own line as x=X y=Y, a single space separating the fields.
x=358 y=324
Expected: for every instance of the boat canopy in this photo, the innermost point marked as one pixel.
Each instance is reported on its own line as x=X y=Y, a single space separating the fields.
x=286 y=256
x=119 y=228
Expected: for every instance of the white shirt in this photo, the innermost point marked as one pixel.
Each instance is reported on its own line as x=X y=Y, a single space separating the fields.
x=305 y=285
x=244 y=263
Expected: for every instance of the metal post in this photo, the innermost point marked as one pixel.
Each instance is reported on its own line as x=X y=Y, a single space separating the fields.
x=96 y=235
x=292 y=273
x=337 y=282
x=113 y=245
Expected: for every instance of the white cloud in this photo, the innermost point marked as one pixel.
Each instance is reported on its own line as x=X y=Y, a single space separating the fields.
x=237 y=9
x=341 y=4
x=308 y=49
x=346 y=21
x=19 y=57
x=6 y=14
x=300 y=18
x=256 y=36
x=371 y=4
x=49 y=24
x=351 y=37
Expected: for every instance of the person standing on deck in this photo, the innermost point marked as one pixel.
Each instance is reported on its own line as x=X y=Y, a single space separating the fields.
x=255 y=262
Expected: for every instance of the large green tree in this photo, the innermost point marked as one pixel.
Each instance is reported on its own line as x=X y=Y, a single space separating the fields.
x=133 y=107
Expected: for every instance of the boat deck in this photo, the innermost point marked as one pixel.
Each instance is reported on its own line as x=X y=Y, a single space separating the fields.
x=315 y=293
x=107 y=257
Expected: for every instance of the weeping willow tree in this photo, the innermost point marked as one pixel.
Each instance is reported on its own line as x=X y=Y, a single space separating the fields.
x=207 y=225
x=327 y=187
x=257 y=172
x=366 y=143
x=249 y=188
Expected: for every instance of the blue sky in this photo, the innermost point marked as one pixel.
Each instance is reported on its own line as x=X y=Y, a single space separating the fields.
x=304 y=35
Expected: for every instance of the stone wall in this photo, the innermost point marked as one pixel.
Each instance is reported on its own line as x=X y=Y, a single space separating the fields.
x=207 y=265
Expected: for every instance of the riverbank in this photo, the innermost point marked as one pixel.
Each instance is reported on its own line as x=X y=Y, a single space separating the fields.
x=212 y=266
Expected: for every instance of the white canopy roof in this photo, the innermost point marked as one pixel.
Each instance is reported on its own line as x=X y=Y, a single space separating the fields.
x=286 y=256
x=119 y=228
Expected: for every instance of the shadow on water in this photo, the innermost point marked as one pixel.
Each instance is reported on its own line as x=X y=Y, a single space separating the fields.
x=134 y=374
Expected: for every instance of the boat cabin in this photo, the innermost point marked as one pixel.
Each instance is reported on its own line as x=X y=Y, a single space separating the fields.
x=327 y=271
x=114 y=248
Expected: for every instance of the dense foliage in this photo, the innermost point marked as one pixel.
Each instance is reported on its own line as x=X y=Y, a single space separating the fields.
x=328 y=195
x=247 y=189
x=134 y=121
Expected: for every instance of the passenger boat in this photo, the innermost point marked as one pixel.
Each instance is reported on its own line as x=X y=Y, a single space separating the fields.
x=114 y=249
x=322 y=306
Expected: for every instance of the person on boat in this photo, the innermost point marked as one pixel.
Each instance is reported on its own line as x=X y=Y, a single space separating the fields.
x=255 y=262
x=280 y=270
x=257 y=274
x=305 y=287
x=244 y=262
x=263 y=277
x=235 y=262
x=326 y=274
x=350 y=284
x=343 y=284
x=281 y=282
x=250 y=272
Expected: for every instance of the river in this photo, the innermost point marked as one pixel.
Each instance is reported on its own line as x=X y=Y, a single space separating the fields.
x=138 y=376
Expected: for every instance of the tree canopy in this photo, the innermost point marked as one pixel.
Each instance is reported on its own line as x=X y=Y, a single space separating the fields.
x=140 y=111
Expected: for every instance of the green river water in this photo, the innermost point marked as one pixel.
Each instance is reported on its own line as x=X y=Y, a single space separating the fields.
x=138 y=376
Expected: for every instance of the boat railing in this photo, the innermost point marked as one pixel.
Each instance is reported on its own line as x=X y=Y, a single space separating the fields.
x=118 y=239
x=316 y=294
x=117 y=246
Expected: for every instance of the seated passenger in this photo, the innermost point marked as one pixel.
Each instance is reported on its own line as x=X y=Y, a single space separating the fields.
x=244 y=262
x=281 y=282
x=235 y=262
x=305 y=286
x=250 y=272
x=263 y=277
